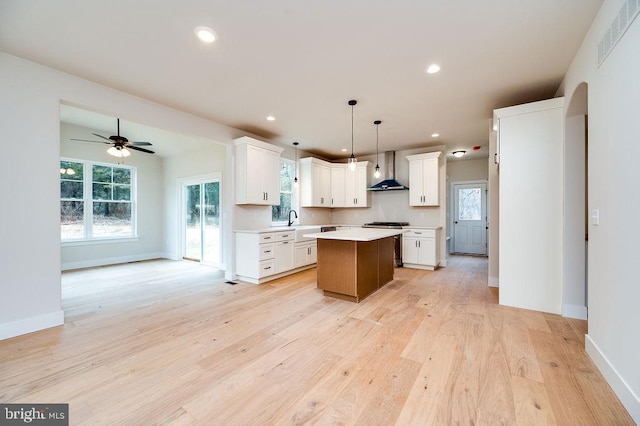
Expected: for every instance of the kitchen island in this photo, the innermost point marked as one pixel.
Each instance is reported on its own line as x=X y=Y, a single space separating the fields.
x=353 y=263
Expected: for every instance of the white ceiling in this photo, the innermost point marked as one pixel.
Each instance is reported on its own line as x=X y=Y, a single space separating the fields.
x=302 y=61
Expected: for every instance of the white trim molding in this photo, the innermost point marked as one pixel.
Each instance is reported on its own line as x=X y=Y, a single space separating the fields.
x=628 y=398
x=494 y=282
x=29 y=325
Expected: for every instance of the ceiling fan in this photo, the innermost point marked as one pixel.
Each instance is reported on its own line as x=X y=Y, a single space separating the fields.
x=119 y=144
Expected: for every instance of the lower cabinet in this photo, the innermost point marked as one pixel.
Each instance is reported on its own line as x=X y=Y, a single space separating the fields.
x=420 y=249
x=265 y=256
x=306 y=253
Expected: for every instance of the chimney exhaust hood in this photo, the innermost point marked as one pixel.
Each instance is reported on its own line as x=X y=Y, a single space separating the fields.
x=389 y=183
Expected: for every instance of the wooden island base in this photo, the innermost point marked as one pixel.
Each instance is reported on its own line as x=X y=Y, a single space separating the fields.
x=352 y=270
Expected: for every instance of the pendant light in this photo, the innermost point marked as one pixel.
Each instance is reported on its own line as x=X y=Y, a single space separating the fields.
x=352 y=159
x=295 y=165
x=376 y=173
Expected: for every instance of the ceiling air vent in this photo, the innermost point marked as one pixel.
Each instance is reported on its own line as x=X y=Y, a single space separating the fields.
x=616 y=30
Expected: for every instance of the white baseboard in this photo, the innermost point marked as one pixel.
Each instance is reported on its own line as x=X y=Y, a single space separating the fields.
x=110 y=261
x=29 y=325
x=493 y=282
x=628 y=398
x=574 y=311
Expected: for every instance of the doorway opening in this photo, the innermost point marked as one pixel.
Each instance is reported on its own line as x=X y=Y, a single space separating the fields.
x=469 y=235
x=201 y=224
x=576 y=202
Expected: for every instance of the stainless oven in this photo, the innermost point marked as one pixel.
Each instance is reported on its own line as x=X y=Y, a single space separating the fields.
x=397 y=240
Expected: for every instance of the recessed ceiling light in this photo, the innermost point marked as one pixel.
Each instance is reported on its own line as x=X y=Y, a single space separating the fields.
x=344 y=150
x=205 y=34
x=271 y=118
x=435 y=135
x=433 y=68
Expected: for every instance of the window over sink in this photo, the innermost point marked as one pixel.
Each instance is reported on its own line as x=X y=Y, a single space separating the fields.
x=280 y=213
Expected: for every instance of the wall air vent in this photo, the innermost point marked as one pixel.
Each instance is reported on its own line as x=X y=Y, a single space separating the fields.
x=618 y=27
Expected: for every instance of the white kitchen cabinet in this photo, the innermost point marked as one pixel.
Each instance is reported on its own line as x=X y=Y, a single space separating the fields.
x=315 y=183
x=356 y=184
x=420 y=249
x=257 y=172
x=284 y=251
x=306 y=253
x=338 y=196
x=424 y=172
x=265 y=256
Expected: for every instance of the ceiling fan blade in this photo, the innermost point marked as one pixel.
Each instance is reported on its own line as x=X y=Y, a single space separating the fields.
x=100 y=136
x=140 y=144
x=141 y=149
x=85 y=140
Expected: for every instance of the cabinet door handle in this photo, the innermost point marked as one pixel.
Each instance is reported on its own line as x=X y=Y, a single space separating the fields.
x=308 y=250
x=268 y=267
x=267 y=238
x=285 y=242
x=267 y=251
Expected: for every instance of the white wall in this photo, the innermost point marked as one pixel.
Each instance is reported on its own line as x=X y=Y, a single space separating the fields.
x=30 y=97
x=149 y=205
x=462 y=170
x=192 y=164
x=614 y=132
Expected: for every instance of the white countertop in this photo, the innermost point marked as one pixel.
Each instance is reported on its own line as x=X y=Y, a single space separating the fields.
x=357 y=234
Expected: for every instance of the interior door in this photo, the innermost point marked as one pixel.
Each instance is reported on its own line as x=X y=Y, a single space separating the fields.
x=470 y=218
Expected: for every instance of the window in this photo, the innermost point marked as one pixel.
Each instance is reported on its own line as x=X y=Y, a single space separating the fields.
x=96 y=201
x=280 y=213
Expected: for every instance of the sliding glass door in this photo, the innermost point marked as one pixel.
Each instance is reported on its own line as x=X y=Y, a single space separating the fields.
x=202 y=231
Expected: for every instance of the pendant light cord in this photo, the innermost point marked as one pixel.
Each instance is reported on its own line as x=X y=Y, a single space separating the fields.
x=352 y=130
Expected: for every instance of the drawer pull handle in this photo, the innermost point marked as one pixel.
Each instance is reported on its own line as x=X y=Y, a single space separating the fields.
x=267 y=238
x=268 y=267
x=267 y=251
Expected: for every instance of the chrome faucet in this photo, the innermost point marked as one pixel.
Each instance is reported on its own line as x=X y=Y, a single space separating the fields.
x=291 y=221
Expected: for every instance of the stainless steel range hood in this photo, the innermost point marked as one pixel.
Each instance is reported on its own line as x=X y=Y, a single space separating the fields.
x=389 y=183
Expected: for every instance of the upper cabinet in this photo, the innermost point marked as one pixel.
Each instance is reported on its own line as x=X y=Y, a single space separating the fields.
x=257 y=172
x=315 y=183
x=324 y=184
x=424 y=172
x=338 y=195
x=356 y=184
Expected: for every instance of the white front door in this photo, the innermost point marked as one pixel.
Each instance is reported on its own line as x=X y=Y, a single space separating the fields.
x=470 y=218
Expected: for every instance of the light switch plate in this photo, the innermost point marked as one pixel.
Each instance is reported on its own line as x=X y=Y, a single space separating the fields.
x=595 y=217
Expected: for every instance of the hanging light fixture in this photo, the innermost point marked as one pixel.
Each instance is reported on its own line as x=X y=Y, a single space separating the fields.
x=352 y=159
x=376 y=173
x=458 y=154
x=295 y=165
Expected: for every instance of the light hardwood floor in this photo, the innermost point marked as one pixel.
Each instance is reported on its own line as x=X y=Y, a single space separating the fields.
x=172 y=343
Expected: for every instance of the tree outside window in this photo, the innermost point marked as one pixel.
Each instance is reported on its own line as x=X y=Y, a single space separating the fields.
x=96 y=200
x=280 y=213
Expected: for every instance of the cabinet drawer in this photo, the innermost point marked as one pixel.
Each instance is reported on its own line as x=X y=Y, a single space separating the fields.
x=284 y=236
x=268 y=237
x=420 y=233
x=267 y=251
x=267 y=267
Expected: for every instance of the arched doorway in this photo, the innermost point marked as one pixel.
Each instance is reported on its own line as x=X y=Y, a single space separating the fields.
x=576 y=226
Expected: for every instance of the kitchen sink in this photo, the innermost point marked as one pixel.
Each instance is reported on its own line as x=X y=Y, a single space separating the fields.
x=305 y=229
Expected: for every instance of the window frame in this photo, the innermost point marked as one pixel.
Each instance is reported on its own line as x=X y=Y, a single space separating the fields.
x=88 y=201
x=294 y=193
